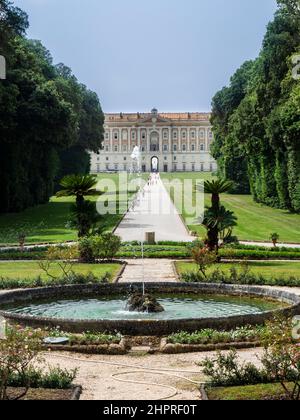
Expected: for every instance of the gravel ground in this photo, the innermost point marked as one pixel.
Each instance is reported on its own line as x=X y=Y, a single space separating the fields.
x=98 y=383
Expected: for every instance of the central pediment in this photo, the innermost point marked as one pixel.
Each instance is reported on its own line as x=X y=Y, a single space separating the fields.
x=154 y=119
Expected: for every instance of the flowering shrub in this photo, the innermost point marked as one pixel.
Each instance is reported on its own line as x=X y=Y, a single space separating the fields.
x=18 y=350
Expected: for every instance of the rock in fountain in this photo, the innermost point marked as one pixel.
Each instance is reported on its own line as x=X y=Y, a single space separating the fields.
x=139 y=302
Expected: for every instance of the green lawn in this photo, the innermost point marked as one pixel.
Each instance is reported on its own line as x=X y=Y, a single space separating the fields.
x=255 y=221
x=266 y=268
x=247 y=393
x=49 y=222
x=31 y=270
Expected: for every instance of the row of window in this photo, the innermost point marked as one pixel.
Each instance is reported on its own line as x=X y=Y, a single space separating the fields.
x=175 y=135
x=175 y=167
x=155 y=148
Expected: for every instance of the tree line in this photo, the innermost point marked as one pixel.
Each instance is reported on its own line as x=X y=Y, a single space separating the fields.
x=256 y=119
x=48 y=120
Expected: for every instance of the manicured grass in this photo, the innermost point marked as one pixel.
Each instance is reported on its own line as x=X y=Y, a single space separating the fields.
x=48 y=223
x=31 y=270
x=266 y=268
x=255 y=221
x=247 y=393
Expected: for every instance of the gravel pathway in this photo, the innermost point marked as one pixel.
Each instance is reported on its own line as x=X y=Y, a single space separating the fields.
x=149 y=270
x=98 y=383
x=153 y=211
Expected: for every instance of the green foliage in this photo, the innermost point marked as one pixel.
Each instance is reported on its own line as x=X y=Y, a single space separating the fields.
x=204 y=259
x=44 y=112
x=226 y=370
x=280 y=362
x=106 y=246
x=54 y=378
x=87 y=338
x=18 y=350
x=256 y=118
x=73 y=278
x=235 y=276
x=210 y=336
x=78 y=186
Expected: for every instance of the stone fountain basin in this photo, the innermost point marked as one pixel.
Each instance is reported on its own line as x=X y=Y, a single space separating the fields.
x=136 y=327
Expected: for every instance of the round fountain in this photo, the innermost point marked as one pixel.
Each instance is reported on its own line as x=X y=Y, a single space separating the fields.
x=187 y=307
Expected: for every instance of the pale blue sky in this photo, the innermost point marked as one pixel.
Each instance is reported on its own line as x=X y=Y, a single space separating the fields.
x=137 y=54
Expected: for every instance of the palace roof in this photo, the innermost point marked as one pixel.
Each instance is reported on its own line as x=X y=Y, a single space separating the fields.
x=170 y=116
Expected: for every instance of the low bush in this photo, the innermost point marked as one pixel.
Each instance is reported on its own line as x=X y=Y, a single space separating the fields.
x=210 y=336
x=87 y=338
x=54 y=378
x=239 y=277
x=280 y=362
x=8 y=283
x=225 y=370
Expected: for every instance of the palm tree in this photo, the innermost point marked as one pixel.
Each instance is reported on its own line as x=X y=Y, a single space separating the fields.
x=215 y=188
x=84 y=215
x=78 y=186
x=219 y=223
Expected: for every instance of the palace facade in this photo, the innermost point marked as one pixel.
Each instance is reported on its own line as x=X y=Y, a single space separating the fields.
x=168 y=142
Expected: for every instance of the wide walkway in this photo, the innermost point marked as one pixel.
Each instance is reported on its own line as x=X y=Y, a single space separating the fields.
x=153 y=211
x=149 y=271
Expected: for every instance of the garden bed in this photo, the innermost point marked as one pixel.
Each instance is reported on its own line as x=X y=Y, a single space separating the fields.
x=168 y=348
x=40 y=394
x=245 y=393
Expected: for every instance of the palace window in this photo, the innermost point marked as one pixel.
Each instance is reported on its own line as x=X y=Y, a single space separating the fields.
x=184 y=167
x=107 y=135
x=165 y=147
x=175 y=135
x=143 y=135
x=125 y=158
x=124 y=148
x=193 y=147
x=175 y=148
x=165 y=135
x=210 y=135
x=193 y=167
x=202 y=134
x=133 y=135
x=184 y=147
x=116 y=148
x=175 y=158
x=107 y=167
x=107 y=159
x=202 y=147
x=184 y=134
x=116 y=135
x=116 y=166
x=193 y=134
x=106 y=148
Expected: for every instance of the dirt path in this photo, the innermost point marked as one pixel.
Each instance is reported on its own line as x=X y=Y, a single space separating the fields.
x=98 y=383
x=151 y=270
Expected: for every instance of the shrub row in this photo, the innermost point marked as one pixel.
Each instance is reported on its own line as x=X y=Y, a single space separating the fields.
x=87 y=338
x=237 y=277
x=210 y=336
x=170 y=251
x=7 y=283
x=55 y=378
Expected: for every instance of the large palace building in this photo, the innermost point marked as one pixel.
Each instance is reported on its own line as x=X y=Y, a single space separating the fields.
x=168 y=142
